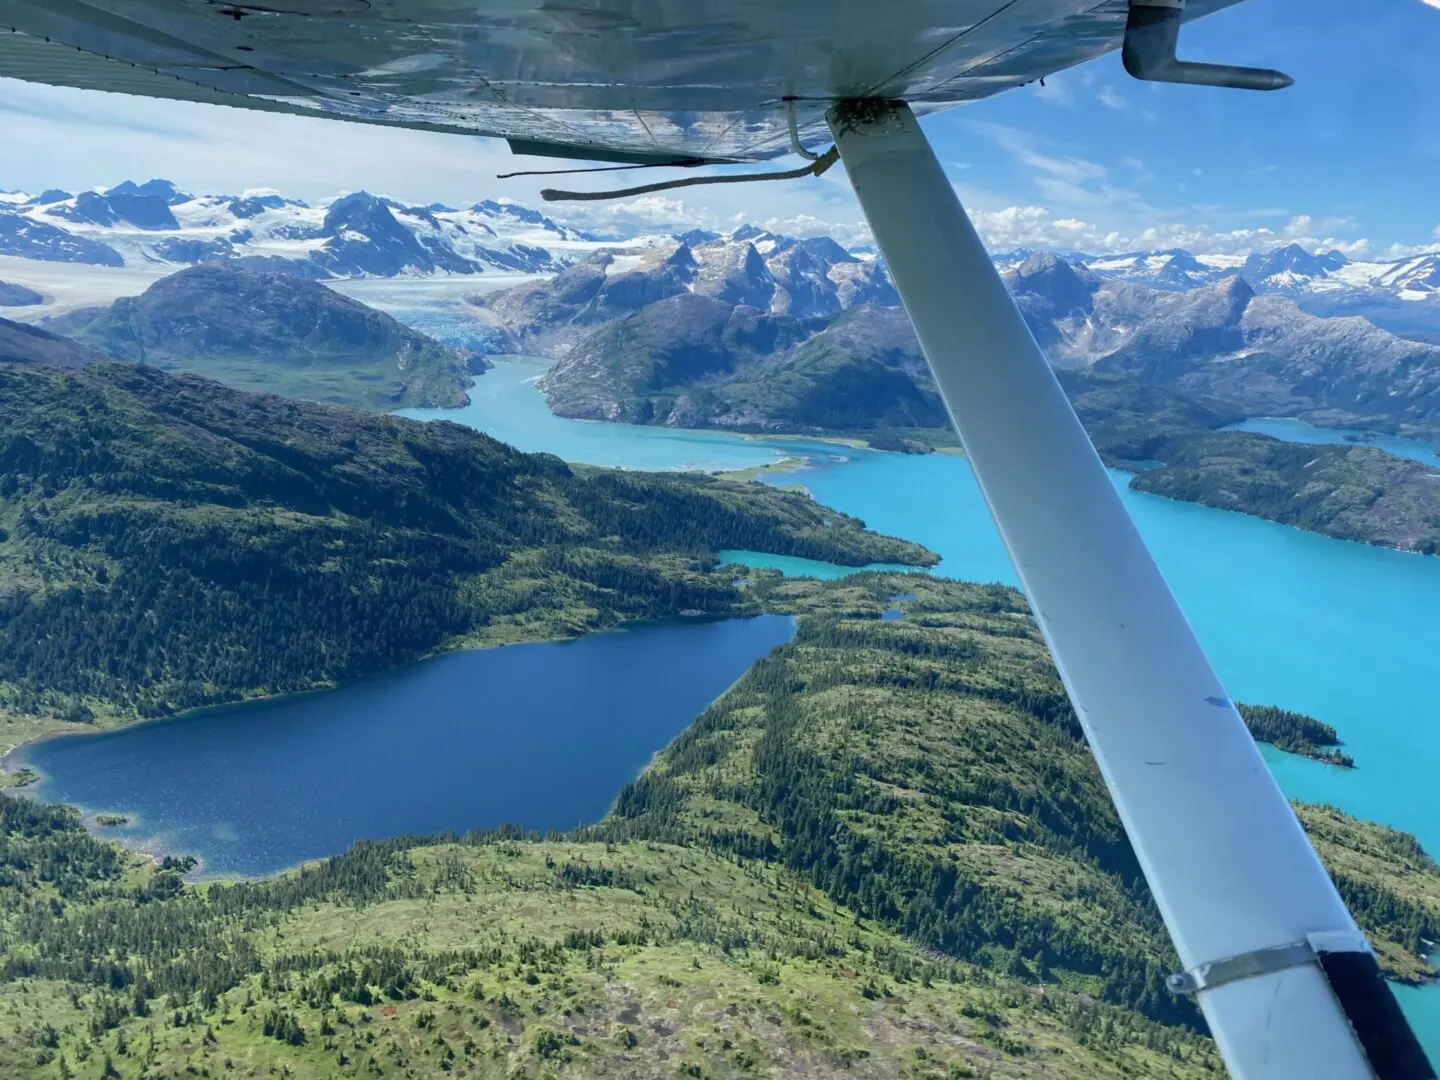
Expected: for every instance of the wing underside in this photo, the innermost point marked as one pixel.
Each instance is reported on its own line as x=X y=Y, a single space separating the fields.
x=663 y=79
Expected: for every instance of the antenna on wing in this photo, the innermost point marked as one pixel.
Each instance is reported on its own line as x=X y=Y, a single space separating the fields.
x=1152 y=31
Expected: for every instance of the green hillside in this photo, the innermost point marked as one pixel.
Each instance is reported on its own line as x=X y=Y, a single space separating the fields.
x=166 y=542
x=884 y=853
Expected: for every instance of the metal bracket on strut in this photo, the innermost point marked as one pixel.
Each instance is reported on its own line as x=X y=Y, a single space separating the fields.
x=1151 y=33
x=1252 y=965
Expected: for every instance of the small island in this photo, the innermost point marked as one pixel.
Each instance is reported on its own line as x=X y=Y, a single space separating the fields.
x=23 y=776
x=111 y=821
x=1295 y=733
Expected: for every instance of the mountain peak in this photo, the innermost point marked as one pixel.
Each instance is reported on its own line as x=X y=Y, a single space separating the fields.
x=751 y=233
x=248 y=206
x=155 y=188
x=1292 y=259
x=1235 y=289
x=826 y=249
x=516 y=212
x=683 y=260
x=1048 y=276
x=1183 y=260
x=359 y=210
x=697 y=236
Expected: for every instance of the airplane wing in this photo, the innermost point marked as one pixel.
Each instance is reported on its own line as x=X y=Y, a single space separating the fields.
x=640 y=79
x=1288 y=984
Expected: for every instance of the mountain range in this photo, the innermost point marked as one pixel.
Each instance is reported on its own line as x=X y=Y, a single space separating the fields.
x=1399 y=295
x=1262 y=354
x=755 y=331
x=1155 y=375
x=675 y=360
x=365 y=235
x=793 y=279
x=355 y=235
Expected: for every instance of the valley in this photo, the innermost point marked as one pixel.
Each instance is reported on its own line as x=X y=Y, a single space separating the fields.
x=883 y=851
x=695 y=925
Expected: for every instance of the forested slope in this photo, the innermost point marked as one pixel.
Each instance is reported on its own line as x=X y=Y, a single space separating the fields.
x=930 y=773
x=166 y=542
x=276 y=332
x=884 y=853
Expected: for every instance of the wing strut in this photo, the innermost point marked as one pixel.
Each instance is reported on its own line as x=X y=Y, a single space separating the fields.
x=1259 y=927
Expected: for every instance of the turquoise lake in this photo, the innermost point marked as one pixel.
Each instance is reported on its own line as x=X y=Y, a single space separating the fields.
x=1345 y=632
x=1301 y=432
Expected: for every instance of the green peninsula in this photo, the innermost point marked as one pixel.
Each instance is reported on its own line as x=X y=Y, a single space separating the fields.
x=166 y=543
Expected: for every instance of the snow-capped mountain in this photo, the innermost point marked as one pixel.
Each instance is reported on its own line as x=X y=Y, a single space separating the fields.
x=777 y=275
x=1418 y=274
x=1261 y=354
x=144 y=231
x=356 y=235
x=1289 y=270
x=1400 y=295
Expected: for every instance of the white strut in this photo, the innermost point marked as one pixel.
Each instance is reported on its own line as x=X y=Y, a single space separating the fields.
x=1229 y=865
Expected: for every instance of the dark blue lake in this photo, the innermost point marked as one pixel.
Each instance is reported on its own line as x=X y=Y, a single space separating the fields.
x=542 y=736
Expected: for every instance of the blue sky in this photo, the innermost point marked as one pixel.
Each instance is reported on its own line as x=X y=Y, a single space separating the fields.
x=1349 y=157
x=1354 y=145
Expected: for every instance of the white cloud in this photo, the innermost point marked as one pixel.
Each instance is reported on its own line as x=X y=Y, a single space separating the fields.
x=1036 y=227
x=1108 y=97
x=1431 y=3
x=1298 y=226
x=648 y=213
x=1405 y=251
x=1067 y=181
x=854 y=233
x=1112 y=98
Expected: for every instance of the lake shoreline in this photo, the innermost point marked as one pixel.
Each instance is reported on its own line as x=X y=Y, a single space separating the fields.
x=529 y=401
x=71 y=728
x=145 y=846
x=503 y=758
x=1130 y=476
